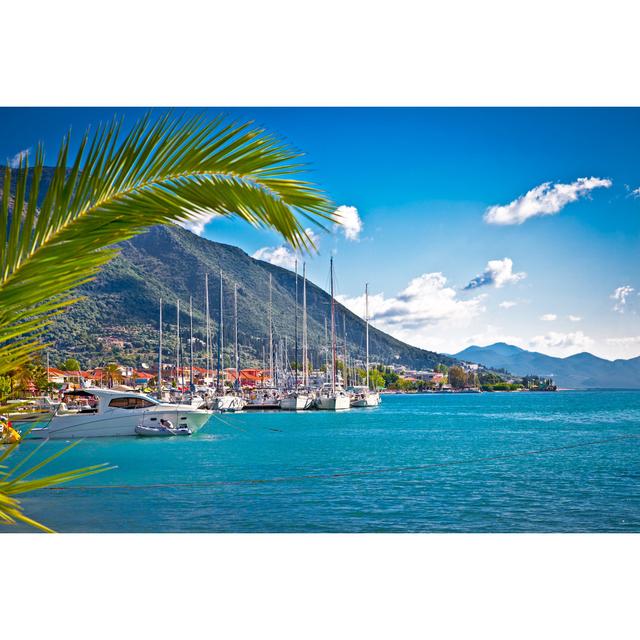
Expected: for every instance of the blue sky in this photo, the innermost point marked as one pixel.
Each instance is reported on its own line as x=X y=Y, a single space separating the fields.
x=437 y=200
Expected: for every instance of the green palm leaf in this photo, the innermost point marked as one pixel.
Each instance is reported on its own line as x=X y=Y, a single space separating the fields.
x=160 y=172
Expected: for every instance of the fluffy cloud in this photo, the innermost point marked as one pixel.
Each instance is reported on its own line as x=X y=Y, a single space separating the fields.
x=548 y=317
x=620 y=296
x=636 y=192
x=283 y=256
x=543 y=200
x=314 y=237
x=350 y=222
x=411 y=314
x=498 y=273
x=628 y=340
x=507 y=304
x=563 y=342
x=280 y=256
x=14 y=162
x=574 y=318
x=198 y=221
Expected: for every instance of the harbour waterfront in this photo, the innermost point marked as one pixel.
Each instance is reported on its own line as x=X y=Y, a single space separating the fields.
x=492 y=462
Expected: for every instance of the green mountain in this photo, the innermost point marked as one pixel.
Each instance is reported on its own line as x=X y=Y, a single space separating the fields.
x=118 y=318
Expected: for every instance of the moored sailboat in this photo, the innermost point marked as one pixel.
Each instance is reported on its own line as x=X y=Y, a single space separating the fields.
x=364 y=396
x=332 y=396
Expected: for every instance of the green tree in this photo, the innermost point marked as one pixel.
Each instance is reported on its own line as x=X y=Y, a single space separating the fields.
x=376 y=379
x=457 y=377
x=70 y=364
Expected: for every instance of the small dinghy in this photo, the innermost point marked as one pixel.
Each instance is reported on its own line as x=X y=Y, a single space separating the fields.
x=164 y=429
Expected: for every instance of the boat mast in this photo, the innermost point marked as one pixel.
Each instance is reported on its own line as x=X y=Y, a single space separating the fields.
x=178 y=344
x=296 y=329
x=207 y=355
x=237 y=353
x=326 y=351
x=305 y=346
x=333 y=335
x=366 y=321
x=270 y=331
x=346 y=355
x=220 y=340
x=160 y=356
x=190 y=343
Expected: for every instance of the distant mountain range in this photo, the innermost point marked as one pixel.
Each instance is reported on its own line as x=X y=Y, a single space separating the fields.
x=580 y=371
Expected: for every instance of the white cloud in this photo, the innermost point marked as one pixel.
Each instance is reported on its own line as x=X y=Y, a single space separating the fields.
x=620 y=296
x=413 y=313
x=350 y=222
x=198 y=221
x=14 y=162
x=280 y=256
x=574 y=318
x=507 y=304
x=548 y=317
x=284 y=256
x=636 y=192
x=498 y=273
x=314 y=237
x=628 y=340
x=543 y=200
x=562 y=342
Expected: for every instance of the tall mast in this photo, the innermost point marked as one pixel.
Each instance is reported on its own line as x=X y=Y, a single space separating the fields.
x=270 y=331
x=296 y=328
x=160 y=355
x=190 y=343
x=237 y=353
x=178 y=343
x=207 y=357
x=326 y=350
x=333 y=335
x=346 y=365
x=305 y=346
x=366 y=321
x=221 y=340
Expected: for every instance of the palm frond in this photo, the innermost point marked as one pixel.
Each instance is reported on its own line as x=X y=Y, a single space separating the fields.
x=161 y=172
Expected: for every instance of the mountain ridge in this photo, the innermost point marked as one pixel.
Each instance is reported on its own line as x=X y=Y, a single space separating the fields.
x=578 y=371
x=119 y=313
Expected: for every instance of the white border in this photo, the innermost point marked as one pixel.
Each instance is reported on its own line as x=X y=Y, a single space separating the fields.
x=330 y=53
x=335 y=52
x=320 y=586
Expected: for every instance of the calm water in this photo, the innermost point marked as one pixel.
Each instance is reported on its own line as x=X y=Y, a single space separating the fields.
x=417 y=463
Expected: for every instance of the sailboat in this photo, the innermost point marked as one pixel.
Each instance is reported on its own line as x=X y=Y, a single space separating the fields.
x=332 y=396
x=224 y=401
x=297 y=399
x=364 y=396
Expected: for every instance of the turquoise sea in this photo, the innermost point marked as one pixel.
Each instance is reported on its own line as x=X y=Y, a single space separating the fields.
x=492 y=462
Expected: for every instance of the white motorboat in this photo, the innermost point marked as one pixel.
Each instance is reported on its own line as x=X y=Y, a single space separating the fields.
x=296 y=401
x=116 y=413
x=162 y=429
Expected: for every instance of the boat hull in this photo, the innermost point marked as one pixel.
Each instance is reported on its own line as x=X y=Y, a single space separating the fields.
x=369 y=400
x=229 y=404
x=333 y=403
x=117 y=424
x=295 y=403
